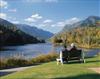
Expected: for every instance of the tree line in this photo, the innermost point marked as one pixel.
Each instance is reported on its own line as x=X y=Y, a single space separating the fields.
x=83 y=36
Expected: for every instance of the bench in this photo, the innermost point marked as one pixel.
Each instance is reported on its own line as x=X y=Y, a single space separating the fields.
x=71 y=55
x=76 y=55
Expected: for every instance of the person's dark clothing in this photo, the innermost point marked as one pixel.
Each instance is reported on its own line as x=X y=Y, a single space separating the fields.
x=73 y=49
x=65 y=54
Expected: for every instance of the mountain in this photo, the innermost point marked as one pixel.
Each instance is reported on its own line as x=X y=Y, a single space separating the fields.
x=91 y=21
x=6 y=23
x=85 y=33
x=33 y=31
x=11 y=35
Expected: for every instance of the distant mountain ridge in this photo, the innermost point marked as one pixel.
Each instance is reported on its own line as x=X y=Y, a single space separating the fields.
x=33 y=31
x=91 y=21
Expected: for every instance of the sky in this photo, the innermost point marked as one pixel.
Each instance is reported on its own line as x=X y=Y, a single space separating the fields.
x=50 y=15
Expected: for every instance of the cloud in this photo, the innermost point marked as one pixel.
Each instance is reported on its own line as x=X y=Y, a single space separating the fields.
x=60 y=24
x=12 y=10
x=42 y=25
x=15 y=22
x=9 y=18
x=12 y=18
x=68 y=21
x=30 y=20
x=3 y=15
x=34 y=18
x=3 y=4
x=47 y=21
x=72 y=20
x=53 y=25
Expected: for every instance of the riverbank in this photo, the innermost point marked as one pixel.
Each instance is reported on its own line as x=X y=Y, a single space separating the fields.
x=51 y=70
x=21 y=62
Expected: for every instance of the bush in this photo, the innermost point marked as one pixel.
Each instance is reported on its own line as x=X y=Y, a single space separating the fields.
x=45 y=58
x=2 y=64
x=18 y=62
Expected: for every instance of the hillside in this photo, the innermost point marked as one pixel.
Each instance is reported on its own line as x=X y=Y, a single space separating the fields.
x=11 y=35
x=91 y=21
x=33 y=31
x=85 y=33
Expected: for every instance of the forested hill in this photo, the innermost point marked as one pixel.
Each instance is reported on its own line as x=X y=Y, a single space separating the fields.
x=11 y=35
x=84 y=33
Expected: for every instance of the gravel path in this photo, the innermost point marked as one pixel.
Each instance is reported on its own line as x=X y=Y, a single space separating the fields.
x=95 y=69
x=8 y=71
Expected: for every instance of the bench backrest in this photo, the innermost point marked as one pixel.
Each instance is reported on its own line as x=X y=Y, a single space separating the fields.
x=75 y=53
x=65 y=53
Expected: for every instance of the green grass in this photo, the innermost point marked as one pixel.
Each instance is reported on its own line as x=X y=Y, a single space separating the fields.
x=53 y=71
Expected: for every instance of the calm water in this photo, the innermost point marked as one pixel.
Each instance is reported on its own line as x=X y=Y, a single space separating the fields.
x=28 y=51
x=33 y=50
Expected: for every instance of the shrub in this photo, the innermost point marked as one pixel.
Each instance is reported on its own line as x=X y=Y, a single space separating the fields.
x=17 y=62
x=14 y=62
x=45 y=58
x=2 y=64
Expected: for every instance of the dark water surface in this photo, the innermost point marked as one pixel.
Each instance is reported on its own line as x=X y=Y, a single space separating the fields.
x=28 y=51
x=33 y=50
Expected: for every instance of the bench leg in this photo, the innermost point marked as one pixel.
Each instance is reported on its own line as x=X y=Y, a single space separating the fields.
x=59 y=61
x=83 y=60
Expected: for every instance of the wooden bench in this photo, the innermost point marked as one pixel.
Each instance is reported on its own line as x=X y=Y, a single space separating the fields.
x=76 y=55
x=71 y=55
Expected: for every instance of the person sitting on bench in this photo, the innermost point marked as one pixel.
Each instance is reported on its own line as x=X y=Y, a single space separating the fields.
x=73 y=47
x=64 y=53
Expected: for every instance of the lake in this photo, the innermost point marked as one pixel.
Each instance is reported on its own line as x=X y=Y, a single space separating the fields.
x=33 y=50
x=28 y=50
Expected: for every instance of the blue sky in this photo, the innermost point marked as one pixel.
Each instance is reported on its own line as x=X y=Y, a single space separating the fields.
x=50 y=15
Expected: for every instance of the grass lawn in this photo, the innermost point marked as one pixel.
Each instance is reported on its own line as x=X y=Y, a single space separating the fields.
x=53 y=71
